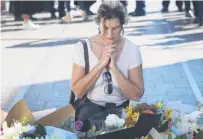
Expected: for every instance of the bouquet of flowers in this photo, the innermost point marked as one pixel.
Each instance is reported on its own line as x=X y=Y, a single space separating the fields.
x=133 y=113
x=81 y=129
x=164 y=124
x=190 y=124
x=116 y=119
x=166 y=114
x=16 y=129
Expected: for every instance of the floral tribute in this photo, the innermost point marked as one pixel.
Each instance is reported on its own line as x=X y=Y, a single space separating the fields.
x=166 y=114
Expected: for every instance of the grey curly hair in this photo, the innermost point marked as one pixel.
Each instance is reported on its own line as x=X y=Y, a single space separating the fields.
x=110 y=10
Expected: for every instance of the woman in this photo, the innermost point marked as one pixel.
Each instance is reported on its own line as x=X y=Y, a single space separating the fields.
x=115 y=75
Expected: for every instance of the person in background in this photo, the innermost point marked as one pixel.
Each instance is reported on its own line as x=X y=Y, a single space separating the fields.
x=3 y=5
x=67 y=18
x=198 y=12
x=165 y=5
x=28 y=9
x=140 y=8
x=23 y=10
x=84 y=10
x=61 y=9
x=18 y=7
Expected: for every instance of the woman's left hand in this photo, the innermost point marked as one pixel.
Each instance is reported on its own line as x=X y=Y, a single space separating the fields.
x=113 y=61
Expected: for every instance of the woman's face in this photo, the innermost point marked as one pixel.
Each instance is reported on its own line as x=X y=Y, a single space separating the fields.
x=110 y=30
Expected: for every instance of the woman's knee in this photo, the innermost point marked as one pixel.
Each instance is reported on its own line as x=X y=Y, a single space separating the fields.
x=87 y=110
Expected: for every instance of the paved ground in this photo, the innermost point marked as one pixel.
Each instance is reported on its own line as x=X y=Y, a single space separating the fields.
x=36 y=65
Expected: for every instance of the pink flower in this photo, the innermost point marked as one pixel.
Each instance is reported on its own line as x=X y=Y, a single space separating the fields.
x=169 y=124
x=78 y=125
x=1 y=132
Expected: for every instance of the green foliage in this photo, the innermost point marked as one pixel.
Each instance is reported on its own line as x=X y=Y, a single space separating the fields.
x=200 y=135
x=40 y=130
x=150 y=137
x=169 y=136
x=181 y=137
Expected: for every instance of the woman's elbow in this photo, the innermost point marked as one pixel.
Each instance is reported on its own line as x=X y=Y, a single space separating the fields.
x=137 y=96
x=76 y=92
x=141 y=93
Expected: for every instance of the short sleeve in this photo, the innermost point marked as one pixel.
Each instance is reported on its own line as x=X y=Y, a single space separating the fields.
x=135 y=57
x=78 y=54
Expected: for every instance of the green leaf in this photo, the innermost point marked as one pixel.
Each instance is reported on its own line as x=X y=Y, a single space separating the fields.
x=99 y=132
x=40 y=130
x=200 y=135
x=181 y=137
x=150 y=137
x=169 y=136
x=93 y=128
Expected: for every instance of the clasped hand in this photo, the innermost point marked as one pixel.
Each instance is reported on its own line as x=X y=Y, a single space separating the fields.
x=107 y=59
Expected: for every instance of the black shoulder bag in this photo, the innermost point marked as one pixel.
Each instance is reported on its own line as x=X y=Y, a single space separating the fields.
x=76 y=103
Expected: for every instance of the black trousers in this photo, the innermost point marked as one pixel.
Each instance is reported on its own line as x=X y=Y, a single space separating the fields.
x=88 y=109
x=140 y=6
x=199 y=11
x=179 y=3
x=61 y=7
x=188 y=6
x=25 y=7
x=17 y=8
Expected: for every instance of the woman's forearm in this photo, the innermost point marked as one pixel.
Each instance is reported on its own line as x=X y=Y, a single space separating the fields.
x=80 y=88
x=129 y=89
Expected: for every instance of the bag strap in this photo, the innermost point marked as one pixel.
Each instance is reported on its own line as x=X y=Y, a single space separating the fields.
x=86 y=58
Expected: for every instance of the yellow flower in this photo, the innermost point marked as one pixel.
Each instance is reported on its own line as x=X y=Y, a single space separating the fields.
x=134 y=116
x=129 y=113
x=166 y=132
x=129 y=110
x=146 y=137
x=169 y=113
x=25 y=120
x=159 y=105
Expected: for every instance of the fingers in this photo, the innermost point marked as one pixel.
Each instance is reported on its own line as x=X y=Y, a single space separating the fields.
x=110 y=50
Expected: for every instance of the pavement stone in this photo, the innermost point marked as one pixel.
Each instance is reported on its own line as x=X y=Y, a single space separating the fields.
x=197 y=72
x=200 y=85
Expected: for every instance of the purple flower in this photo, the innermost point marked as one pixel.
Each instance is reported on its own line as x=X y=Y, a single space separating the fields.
x=78 y=125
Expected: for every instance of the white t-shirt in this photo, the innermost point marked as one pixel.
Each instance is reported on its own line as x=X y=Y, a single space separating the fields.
x=130 y=57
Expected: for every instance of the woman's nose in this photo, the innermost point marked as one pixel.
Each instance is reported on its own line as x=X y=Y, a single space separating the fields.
x=109 y=33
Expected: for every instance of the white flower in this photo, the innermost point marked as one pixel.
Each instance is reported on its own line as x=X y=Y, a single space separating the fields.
x=111 y=120
x=188 y=122
x=114 y=120
x=120 y=122
x=16 y=130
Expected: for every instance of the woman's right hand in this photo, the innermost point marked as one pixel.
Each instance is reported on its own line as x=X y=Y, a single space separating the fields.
x=106 y=56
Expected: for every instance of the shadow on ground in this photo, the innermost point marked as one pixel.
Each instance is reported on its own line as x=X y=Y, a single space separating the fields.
x=10 y=25
x=173 y=23
x=46 y=43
